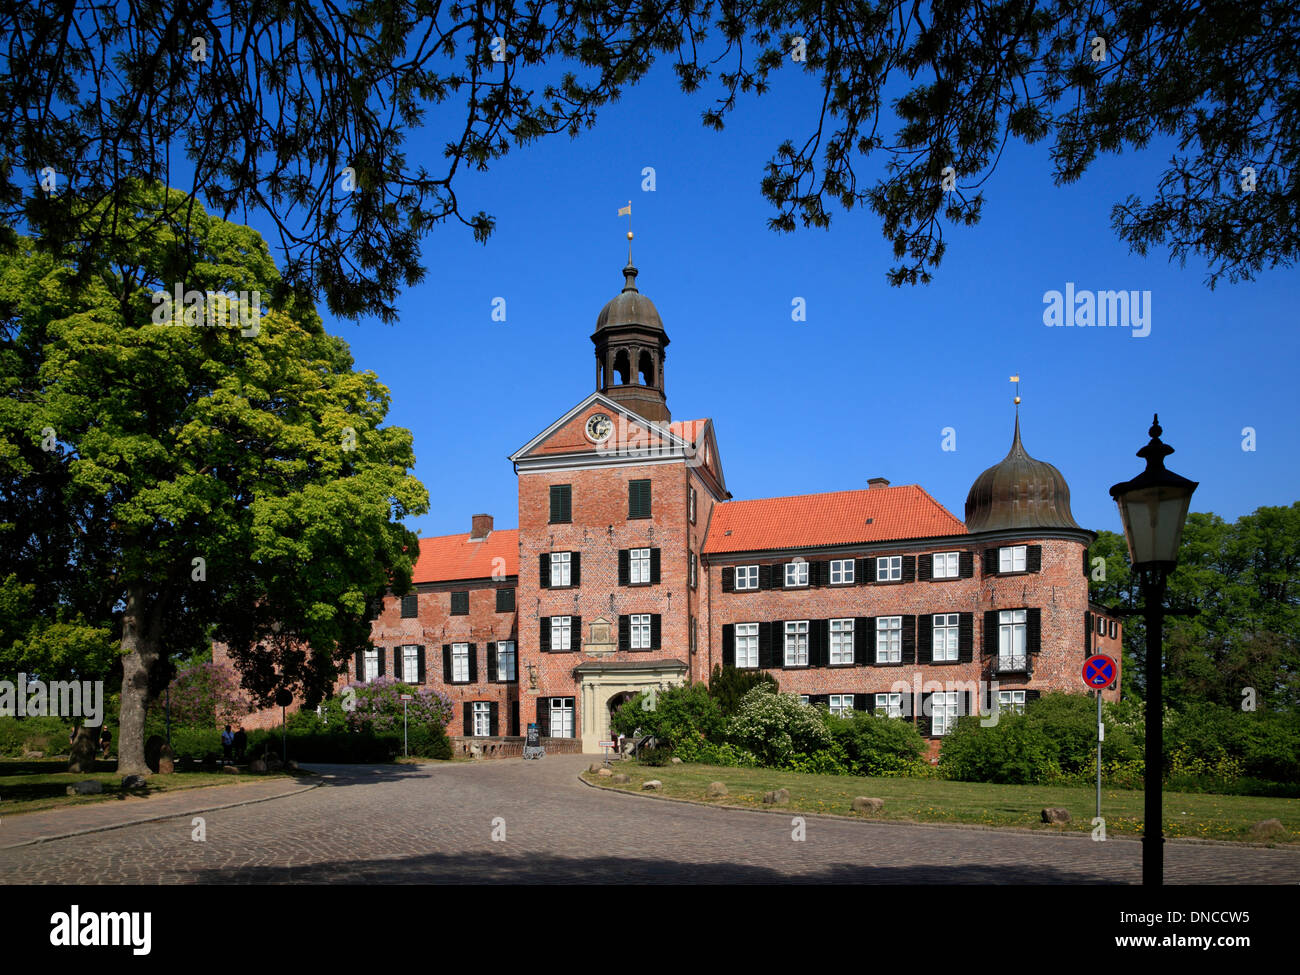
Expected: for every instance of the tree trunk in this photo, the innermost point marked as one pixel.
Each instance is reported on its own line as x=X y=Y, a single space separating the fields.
x=82 y=757
x=139 y=655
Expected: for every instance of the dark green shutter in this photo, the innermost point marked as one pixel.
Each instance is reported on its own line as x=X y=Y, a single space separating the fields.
x=990 y=648
x=492 y=663
x=544 y=643
x=778 y=576
x=544 y=570
x=778 y=643
x=575 y=568
x=909 y=568
x=728 y=644
x=864 y=640
x=446 y=663
x=419 y=665
x=925 y=567
x=764 y=646
x=399 y=672
x=764 y=577
x=1034 y=558
x=544 y=717
x=860 y=571
x=656 y=630
x=624 y=632
x=1032 y=696
x=494 y=728
x=575 y=632
x=909 y=639
x=379 y=659
x=965 y=565
x=654 y=566
x=624 y=569
x=728 y=578
x=1034 y=630
x=925 y=720
x=869 y=573
x=473 y=663
x=965 y=637
x=467 y=709
x=925 y=640
x=361 y=666
x=1087 y=633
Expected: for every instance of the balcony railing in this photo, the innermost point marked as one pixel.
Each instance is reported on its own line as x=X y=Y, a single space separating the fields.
x=1013 y=663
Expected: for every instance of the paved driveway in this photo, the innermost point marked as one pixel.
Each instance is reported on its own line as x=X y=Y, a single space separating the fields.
x=435 y=824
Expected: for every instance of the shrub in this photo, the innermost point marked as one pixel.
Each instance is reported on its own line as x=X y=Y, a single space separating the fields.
x=777 y=727
x=379 y=706
x=672 y=716
x=331 y=746
x=655 y=756
x=728 y=686
x=696 y=749
x=429 y=740
x=37 y=734
x=1012 y=751
x=825 y=761
x=195 y=741
x=877 y=745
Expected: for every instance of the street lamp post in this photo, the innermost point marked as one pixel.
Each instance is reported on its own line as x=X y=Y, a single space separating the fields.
x=1153 y=507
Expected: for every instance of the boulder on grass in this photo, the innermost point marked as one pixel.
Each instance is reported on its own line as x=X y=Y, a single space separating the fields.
x=153 y=751
x=718 y=789
x=166 y=766
x=1055 y=814
x=868 y=804
x=675 y=760
x=605 y=773
x=653 y=785
x=594 y=767
x=1267 y=830
x=778 y=797
x=29 y=756
x=257 y=765
x=88 y=787
x=622 y=778
x=230 y=769
x=130 y=782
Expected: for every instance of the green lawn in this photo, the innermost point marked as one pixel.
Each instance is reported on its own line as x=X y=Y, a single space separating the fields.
x=940 y=801
x=30 y=786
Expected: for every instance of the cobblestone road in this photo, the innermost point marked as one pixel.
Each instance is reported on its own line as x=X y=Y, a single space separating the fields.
x=434 y=824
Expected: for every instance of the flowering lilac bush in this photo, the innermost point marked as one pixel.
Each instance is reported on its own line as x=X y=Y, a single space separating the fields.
x=379 y=708
x=205 y=694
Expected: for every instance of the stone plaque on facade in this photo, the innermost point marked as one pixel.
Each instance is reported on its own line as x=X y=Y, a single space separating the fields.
x=598 y=643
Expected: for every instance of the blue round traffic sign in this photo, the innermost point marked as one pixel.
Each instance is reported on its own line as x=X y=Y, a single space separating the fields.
x=1099 y=671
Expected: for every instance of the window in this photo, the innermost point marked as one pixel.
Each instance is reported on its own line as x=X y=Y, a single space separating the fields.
x=841 y=704
x=1011 y=639
x=1012 y=558
x=690 y=504
x=796 y=643
x=638 y=499
x=944 y=566
x=560 y=563
x=692 y=636
x=746 y=644
x=796 y=573
x=842 y=641
x=561 y=717
x=410 y=606
x=640 y=630
x=561 y=503
x=889 y=640
x=841 y=571
x=1114 y=629
x=746 y=577
x=944 y=648
x=804 y=699
x=1101 y=626
x=638 y=560
x=482 y=719
x=460 y=604
x=943 y=712
x=560 y=627
x=460 y=663
x=889 y=568
x=1011 y=701
x=890 y=704
x=505 y=600
x=506 y=661
x=692 y=570
x=372 y=664
x=411 y=665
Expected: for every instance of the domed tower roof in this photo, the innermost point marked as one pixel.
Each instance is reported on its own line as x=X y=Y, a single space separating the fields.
x=1018 y=493
x=631 y=346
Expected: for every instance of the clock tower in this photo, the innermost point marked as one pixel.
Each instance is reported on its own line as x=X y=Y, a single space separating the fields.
x=631 y=346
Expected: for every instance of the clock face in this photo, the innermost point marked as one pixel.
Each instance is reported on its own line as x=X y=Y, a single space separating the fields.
x=599 y=427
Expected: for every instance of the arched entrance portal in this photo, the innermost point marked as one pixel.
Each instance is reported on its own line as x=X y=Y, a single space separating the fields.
x=616 y=701
x=605 y=685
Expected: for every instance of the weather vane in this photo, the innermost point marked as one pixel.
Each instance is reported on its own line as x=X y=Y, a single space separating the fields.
x=1016 y=380
x=628 y=211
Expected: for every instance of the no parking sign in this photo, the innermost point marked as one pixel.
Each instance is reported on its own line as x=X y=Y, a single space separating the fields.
x=1099 y=671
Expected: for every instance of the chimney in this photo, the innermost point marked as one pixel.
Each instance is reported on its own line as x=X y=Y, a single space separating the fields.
x=877 y=482
x=482 y=526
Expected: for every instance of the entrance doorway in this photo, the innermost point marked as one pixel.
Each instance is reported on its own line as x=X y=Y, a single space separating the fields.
x=616 y=702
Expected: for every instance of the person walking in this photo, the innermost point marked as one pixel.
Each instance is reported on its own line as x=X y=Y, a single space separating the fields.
x=240 y=741
x=227 y=744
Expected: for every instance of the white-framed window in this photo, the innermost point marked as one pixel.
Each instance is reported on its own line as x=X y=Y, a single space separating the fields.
x=889 y=568
x=796 y=574
x=371 y=670
x=638 y=560
x=560 y=563
x=692 y=570
x=561 y=717
x=690 y=503
x=796 y=643
x=943 y=711
x=560 y=632
x=944 y=566
x=1011 y=638
x=460 y=663
x=639 y=624
x=1012 y=558
x=841 y=572
x=507 y=661
x=841 y=704
x=746 y=577
x=411 y=665
x=1011 y=701
x=889 y=640
x=746 y=644
x=890 y=704
x=482 y=719
x=1101 y=625
x=804 y=699
x=944 y=647
x=842 y=641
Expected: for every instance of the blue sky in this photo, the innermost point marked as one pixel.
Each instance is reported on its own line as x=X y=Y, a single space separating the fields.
x=867 y=384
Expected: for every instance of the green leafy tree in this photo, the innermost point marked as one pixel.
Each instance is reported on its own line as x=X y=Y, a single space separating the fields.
x=672 y=716
x=777 y=727
x=730 y=684
x=234 y=482
x=304 y=112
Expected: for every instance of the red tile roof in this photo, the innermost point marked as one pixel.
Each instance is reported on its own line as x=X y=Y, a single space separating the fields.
x=451 y=557
x=836 y=518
